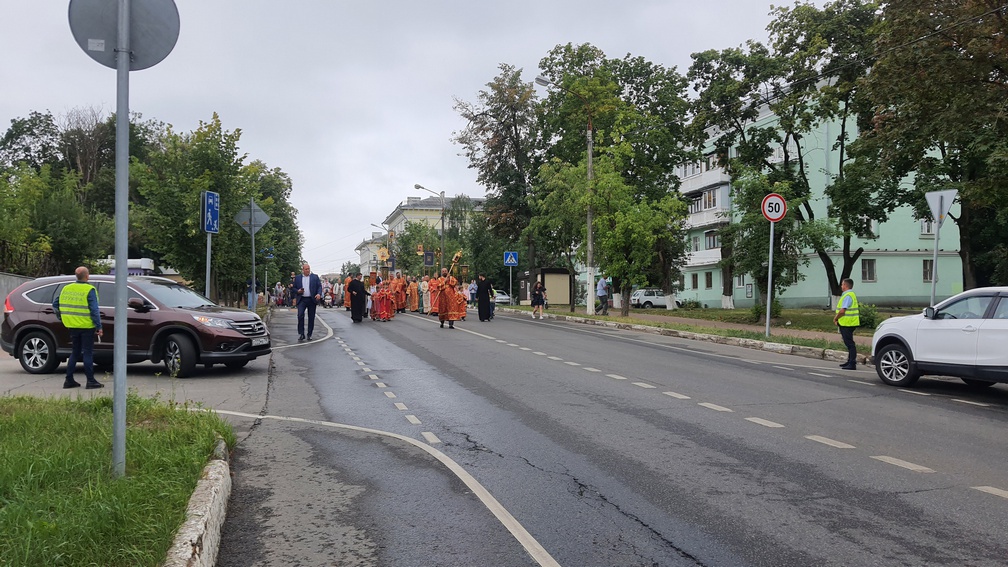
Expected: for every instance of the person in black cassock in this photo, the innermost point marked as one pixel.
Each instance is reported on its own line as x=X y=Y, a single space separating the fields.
x=358 y=298
x=483 y=297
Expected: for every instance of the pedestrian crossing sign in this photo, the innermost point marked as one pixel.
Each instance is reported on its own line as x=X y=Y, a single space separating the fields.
x=510 y=258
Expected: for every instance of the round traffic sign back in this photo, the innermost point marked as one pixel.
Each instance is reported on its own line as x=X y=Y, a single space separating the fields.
x=774 y=207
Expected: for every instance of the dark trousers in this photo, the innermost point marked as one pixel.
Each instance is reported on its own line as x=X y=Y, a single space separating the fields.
x=847 y=334
x=603 y=304
x=306 y=304
x=83 y=350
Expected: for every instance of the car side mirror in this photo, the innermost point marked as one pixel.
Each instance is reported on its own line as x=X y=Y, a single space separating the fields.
x=137 y=303
x=929 y=312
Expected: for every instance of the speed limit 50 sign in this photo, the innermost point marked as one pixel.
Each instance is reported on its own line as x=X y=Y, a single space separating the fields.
x=774 y=207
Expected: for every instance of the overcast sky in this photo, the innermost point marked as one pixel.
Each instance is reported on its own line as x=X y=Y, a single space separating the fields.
x=353 y=100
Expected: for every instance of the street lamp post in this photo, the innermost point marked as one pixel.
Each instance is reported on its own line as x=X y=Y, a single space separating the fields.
x=589 y=302
x=422 y=188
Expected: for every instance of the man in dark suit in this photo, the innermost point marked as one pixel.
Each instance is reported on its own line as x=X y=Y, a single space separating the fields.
x=307 y=290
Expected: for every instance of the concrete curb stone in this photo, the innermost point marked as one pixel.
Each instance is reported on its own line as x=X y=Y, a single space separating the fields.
x=198 y=540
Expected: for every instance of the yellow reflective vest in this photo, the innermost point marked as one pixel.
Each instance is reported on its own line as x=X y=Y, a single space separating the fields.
x=850 y=317
x=73 y=306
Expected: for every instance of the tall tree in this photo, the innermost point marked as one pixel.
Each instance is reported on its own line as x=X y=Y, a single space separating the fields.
x=940 y=90
x=34 y=141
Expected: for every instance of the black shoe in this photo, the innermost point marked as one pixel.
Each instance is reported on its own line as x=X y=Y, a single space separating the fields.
x=68 y=385
x=848 y=367
x=451 y=326
x=442 y=324
x=300 y=338
x=93 y=385
x=309 y=337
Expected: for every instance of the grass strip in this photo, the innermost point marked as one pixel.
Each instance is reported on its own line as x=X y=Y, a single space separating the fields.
x=59 y=504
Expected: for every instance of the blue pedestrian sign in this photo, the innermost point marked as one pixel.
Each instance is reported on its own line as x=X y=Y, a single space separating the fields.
x=511 y=259
x=211 y=212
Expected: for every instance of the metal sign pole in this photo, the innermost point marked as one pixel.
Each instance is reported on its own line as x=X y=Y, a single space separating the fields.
x=769 y=279
x=206 y=287
x=934 y=261
x=252 y=292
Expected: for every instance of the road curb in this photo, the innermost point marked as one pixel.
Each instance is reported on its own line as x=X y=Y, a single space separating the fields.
x=198 y=540
x=780 y=348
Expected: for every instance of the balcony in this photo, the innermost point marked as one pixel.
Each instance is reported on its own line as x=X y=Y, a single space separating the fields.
x=703 y=258
x=710 y=217
x=705 y=180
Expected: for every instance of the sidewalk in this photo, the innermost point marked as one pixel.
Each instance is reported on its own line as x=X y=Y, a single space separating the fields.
x=774 y=331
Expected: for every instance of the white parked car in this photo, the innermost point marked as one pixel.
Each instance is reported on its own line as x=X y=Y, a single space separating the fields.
x=502 y=298
x=964 y=336
x=648 y=297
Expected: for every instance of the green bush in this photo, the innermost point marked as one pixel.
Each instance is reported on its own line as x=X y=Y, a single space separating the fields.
x=868 y=314
x=691 y=304
x=758 y=311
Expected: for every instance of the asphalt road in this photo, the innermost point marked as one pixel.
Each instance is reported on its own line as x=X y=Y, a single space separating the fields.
x=596 y=447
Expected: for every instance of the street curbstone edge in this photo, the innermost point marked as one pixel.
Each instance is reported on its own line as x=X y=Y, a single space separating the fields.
x=198 y=540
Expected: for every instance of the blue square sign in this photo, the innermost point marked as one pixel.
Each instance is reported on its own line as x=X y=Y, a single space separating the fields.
x=510 y=258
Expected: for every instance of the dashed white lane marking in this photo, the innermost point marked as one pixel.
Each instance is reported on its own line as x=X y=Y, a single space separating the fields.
x=862 y=382
x=533 y=547
x=983 y=405
x=501 y=340
x=401 y=406
x=413 y=419
x=820 y=375
x=644 y=385
x=354 y=358
x=525 y=348
x=572 y=363
x=828 y=441
x=616 y=376
x=390 y=395
x=914 y=392
x=512 y=345
x=901 y=463
x=992 y=490
x=373 y=376
x=763 y=422
x=554 y=358
x=590 y=369
x=782 y=367
x=539 y=353
x=365 y=370
x=381 y=384
x=677 y=395
x=715 y=407
x=430 y=437
x=360 y=363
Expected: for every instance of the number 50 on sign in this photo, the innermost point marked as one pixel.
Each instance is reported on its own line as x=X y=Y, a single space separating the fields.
x=774 y=207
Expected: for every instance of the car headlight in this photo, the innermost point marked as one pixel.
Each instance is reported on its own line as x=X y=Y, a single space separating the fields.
x=213 y=321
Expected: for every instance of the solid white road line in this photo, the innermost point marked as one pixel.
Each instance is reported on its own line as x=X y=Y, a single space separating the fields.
x=828 y=441
x=413 y=419
x=902 y=463
x=676 y=395
x=401 y=406
x=430 y=437
x=714 y=407
x=763 y=422
x=992 y=490
x=644 y=385
x=533 y=547
x=782 y=367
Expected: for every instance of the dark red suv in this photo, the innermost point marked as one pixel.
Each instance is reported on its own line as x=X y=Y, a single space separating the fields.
x=167 y=322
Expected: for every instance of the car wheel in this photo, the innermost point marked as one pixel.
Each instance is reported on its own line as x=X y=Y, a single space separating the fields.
x=236 y=364
x=38 y=354
x=179 y=356
x=647 y=305
x=895 y=367
x=977 y=383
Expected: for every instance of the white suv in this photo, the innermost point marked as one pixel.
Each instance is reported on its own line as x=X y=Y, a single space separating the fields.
x=647 y=298
x=964 y=336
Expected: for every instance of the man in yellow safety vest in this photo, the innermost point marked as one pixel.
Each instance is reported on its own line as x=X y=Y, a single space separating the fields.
x=847 y=320
x=77 y=307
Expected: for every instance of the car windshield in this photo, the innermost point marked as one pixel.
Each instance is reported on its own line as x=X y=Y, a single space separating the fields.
x=176 y=295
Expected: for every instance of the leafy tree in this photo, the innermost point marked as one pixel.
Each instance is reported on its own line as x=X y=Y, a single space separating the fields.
x=349 y=268
x=34 y=141
x=939 y=88
x=501 y=141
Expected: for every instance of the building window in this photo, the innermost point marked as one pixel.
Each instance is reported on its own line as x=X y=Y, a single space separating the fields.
x=870 y=228
x=709 y=280
x=710 y=199
x=928 y=270
x=695 y=280
x=868 y=270
x=740 y=281
x=927 y=227
x=711 y=240
x=682 y=281
x=696 y=243
x=695 y=206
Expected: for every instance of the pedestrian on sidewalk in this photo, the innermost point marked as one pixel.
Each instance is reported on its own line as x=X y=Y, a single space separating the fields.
x=77 y=308
x=538 y=298
x=602 y=292
x=847 y=319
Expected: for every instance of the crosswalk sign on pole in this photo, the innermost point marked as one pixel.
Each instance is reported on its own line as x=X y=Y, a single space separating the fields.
x=511 y=259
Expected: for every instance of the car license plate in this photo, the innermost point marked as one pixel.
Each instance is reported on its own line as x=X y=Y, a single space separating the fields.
x=260 y=341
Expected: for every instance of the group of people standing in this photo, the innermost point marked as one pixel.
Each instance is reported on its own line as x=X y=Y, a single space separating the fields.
x=439 y=295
